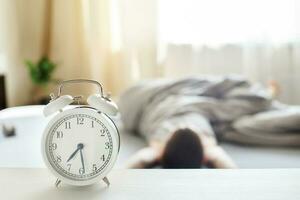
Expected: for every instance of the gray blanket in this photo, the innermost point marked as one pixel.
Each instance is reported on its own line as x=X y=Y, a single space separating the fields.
x=228 y=108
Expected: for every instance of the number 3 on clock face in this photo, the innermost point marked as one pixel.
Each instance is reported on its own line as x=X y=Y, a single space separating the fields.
x=80 y=145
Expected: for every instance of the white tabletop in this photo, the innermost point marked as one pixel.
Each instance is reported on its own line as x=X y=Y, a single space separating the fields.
x=37 y=184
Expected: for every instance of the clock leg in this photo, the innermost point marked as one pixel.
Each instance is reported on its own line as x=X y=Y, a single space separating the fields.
x=57 y=182
x=105 y=179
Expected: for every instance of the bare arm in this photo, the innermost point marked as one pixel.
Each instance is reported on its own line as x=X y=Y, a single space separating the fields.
x=143 y=158
x=218 y=158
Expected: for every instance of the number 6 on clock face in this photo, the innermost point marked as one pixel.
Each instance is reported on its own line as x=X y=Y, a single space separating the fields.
x=80 y=145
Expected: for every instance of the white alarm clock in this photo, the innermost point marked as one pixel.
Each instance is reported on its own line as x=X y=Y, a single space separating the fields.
x=80 y=144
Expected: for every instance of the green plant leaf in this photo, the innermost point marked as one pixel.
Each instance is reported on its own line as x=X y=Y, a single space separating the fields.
x=41 y=72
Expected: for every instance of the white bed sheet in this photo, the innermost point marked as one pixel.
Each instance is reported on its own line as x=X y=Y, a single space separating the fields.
x=24 y=150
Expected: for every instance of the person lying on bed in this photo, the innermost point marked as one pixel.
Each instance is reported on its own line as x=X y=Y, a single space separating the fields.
x=182 y=119
x=184 y=149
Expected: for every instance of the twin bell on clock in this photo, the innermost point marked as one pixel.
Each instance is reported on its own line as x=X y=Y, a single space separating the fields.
x=80 y=143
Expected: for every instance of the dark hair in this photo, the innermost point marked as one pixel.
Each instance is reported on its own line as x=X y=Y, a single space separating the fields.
x=183 y=150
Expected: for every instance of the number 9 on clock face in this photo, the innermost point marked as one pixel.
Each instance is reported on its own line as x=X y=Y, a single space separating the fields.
x=80 y=145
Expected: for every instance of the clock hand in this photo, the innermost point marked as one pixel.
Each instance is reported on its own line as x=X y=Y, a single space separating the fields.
x=79 y=146
x=72 y=155
x=81 y=156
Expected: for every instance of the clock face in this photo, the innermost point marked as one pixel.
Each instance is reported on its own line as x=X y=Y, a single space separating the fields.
x=79 y=145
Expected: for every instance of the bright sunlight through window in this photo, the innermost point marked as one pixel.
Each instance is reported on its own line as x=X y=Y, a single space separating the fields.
x=215 y=22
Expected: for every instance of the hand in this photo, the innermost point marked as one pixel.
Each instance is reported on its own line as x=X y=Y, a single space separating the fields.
x=79 y=147
x=82 y=162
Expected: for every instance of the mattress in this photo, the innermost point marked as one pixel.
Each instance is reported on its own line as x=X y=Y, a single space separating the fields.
x=24 y=149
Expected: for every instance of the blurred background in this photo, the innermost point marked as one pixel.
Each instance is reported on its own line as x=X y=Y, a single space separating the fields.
x=120 y=42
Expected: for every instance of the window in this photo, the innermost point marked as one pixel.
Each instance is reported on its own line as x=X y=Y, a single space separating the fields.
x=215 y=22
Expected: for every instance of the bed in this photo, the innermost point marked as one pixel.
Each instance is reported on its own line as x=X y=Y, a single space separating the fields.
x=23 y=150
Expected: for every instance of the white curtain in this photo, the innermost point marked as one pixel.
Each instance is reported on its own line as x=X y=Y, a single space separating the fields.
x=259 y=63
x=258 y=39
x=105 y=40
x=112 y=41
x=21 y=37
x=119 y=42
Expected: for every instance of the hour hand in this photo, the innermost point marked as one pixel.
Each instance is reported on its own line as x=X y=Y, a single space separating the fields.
x=72 y=155
x=79 y=146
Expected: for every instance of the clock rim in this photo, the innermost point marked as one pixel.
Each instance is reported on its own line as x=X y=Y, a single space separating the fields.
x=108 y=122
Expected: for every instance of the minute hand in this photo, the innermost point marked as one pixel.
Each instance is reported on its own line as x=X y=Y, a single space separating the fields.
x=82 y=162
